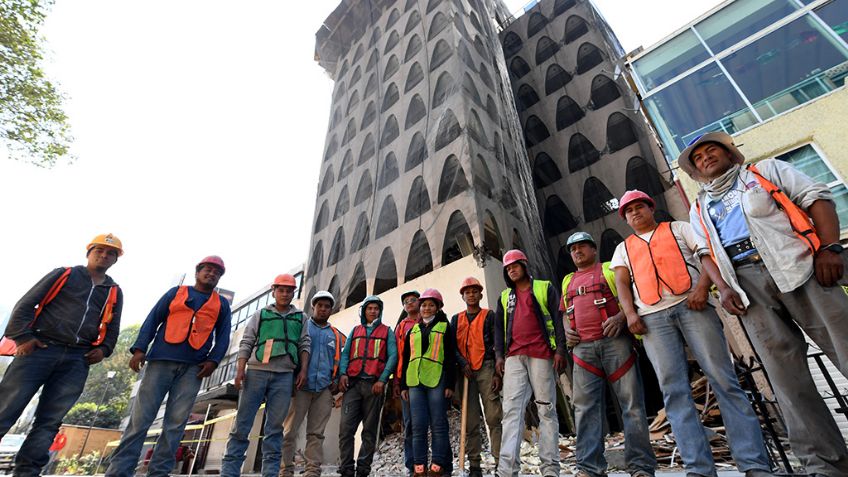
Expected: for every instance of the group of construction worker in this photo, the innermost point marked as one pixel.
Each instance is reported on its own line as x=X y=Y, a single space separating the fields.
x=762 y=242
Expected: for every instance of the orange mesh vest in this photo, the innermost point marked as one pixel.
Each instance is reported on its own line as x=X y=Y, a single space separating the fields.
x=184 y=324
x=368 y=353
x=657 y=265
x=401 y=329
x=469 y=338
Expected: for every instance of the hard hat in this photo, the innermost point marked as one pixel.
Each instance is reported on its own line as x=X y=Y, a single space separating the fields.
x=513 y=256
x=285 y=280
x=212 y=260
x=107 y=240
x=579 y=237
x=684 y=160
x=434 y=295
x=631 y=196
x=470 y=282
x=323 y=295
x=406 y=294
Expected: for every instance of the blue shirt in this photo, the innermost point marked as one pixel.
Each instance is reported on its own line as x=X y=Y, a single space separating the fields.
x=729 y=221
x=153 y=329
x=322 y=353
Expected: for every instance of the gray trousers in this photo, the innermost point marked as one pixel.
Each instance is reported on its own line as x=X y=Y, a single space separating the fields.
x=774 y=323
x=480 y=386
x=316 y=409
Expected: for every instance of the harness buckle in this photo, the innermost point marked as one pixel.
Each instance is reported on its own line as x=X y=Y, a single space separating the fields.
x=600 y=302
x=570 y=310
x=581 y=290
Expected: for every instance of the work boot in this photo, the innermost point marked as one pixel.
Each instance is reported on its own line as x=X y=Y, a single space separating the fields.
x=419 y=471
x=475 y=471
x=758 y=473
x=436 y=470
x=642 y=473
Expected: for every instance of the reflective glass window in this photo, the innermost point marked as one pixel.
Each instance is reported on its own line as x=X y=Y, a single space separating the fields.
x=671 y=59
x=835 y=14
x=740 y=20
x=808 y=161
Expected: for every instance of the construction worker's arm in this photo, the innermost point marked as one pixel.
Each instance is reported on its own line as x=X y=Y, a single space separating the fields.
x=114 y=328
x=23 y=314
x=625 y=301
x=828 y=264
x=499 y=339
x=344 y=361
x=489 y=341
x=246 y=345
x=391 y=364
x=222 y=336
x=460 y=361
x=697 y=297
x=560 y=359
x=730 y=300
x=449 y=367
x=304 y=344
x=148 y=329
x=404 y=388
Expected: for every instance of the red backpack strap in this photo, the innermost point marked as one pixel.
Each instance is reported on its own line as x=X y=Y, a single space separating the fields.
x=106 y=316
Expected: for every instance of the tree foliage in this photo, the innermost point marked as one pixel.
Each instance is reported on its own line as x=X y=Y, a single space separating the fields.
x=114 y=392
x=86 y=414
x=33 y=124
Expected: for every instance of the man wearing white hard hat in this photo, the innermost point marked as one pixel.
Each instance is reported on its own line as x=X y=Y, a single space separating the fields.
x=665 y=301
x=182 y=340
x=774 y=233
x=67 y=322
x=314 y=401
x=275 y=350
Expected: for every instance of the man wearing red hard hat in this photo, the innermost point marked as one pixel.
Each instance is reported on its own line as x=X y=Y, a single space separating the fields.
x=182 y=340
x=67 y=322
x=666 y=302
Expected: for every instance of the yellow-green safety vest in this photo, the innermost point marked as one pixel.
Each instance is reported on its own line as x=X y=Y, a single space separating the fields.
x=540 y=291
x=426 y=369
x=609 y=274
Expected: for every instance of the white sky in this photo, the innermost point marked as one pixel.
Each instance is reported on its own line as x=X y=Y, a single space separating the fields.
x=199 y=129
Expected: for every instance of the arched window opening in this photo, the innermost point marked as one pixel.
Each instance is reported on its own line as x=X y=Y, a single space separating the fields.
x=476 y=131
x=418 y=201
x=360 y=234
x=492 y=108
x=357 y=289
x=393 y=18
x=347 y=165
x=568 y=113
x=620 y=132
x=415 y=76
x=350 y=132
x=444 y=88
x=448 y=130
x=581 y=153
x=389 y=172
x=492 y=241
x=536 y=23
x=417 y=152
x=558 y=218
x=322 y=218
x=335 y=290
x=352 y=103
x=526 y=97
x=643 y=176
x=588 y=57
x=388 y=218
x=390 y=98
x=372 y=61
x=316 y=260
x=440 y=21
x=545 y=171
x=555 y=79
x=604 y=91
x=390 y=132
x=535 y=131
x=453 y=181
x=386 y=277
x=420 y=260
x=356 y=76
x=369 y=116
x=375 y=37
x=327 y=183
x=337 y=251
x=598 y=201
x=518 y=67
x=482 y=179
x=458 y=239
x=560 y=6
x=466 y=57
x=470 y=89
x=481 y=48
x=363 y=192
x=575 y=27
x=441 y=53
x=392 y=42
x=414 y=20
x=511 y=44
x=415 y=112
x=412 y=48
x=360 y=52
x=432 y=4
x=331 y=148
x=609 y=240
x=342 y=204
x=545 y=49
x=391 y=67
x=486 y=77
x=367 y=151
x=565 y=264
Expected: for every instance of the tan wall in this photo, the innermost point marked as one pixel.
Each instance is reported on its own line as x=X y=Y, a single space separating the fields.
x=96 y=440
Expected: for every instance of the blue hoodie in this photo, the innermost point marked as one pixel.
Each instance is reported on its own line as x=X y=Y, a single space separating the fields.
x=391 y=349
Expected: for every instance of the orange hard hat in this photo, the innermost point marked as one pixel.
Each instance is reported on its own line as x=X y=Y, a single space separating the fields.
x=631 y=196
x=285 y=280
x=212 y=260
x=107 y=240
x=470 y=282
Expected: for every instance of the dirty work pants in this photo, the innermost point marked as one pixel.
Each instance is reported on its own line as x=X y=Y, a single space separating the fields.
x=275 y=388
x=669 y=330
x=774 y=322
x=480 y=387
x=180 y=383
x=62 y=371
x=525 y=376
x=359 y=404
x=316 y=409
x=609 y=355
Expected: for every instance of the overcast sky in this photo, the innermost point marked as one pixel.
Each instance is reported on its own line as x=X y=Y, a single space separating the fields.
x=199 y=129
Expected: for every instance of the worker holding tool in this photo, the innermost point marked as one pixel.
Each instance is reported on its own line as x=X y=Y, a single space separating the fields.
x=475 y=345
x=602 y=349
x=429 y=363
x=368 y=360
x=189 y=328
x=275 y=350
x=408 y=318
x=774 y=234
x=65 y=323
x=666 y=303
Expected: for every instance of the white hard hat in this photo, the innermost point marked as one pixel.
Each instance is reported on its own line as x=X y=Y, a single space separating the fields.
x=322 y=295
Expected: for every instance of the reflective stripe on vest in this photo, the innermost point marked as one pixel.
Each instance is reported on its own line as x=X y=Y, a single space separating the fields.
x=282 y=331
x=470 y=339
x=426 y=367
x=540 y=292
x=368 y=353
x=337 y=356
x=184 y=324
x=657 y=265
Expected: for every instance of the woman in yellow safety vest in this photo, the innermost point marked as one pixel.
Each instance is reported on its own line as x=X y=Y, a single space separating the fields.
x=429 y=363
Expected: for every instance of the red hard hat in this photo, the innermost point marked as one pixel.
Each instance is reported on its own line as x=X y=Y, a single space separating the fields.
x=432 y=294
x=514 y=256
x=213 y=260
x=631 y=196
x=470 y=282
x=285 y=280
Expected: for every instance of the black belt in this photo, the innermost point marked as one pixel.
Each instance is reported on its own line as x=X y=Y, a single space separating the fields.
x=753 y=258
x=739 y=248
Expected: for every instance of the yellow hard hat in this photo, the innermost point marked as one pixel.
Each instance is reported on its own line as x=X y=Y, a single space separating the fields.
x=107 y=240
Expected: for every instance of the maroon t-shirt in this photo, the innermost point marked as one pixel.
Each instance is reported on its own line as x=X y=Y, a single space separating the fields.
x=528 y=338
x=587 y=316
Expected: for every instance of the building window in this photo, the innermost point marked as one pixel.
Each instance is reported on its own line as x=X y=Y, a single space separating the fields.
x=458 y=239
x=363 y=192
x=390 y=132
x=526 y=97
x=568 y=112
x=417 y=152
x=808 y=160
x=475 y=130
x=536 y=23
x=643 y=176
x=575 y=27
x=369 y=116
x=535 y=131
x=391 y=67
x=482 y=178
x=342 y=204
x=518 y=67
x=360 y=51
x=545 y=49
x=350 y=132
x=609 y=241
x=347 y=165
x=372 y=61
x=340 y=90
x=388 y=220
x=492 y=109
x=409 y=5
x=598 y=201
x=413 y=77
x=565 y=264
x=316 y=260
x=322 y=218
x=558 y=218
x=448 y=130
x=413 y=47
x=414 y=20
x=560 y=6
x=439 y=23
x=604 y=91
x=357 y=74
x=418 y=201
x=386 y=277
x=492 y=241
x=371 y=85
x=511 y=44
x=555 y=79
x=327 y=183
x=465 y=56
x=588 y=57
x=335 y=290
x=444 y=87
x=432 y=4
x=337 y=250
x=357 y=288
x=581 y=153
x=738 y=20
x=485 y=77
x=360 y=234
x=367 y=151
x=331 y=148
x=390 y=98
x=393 y=18
x=453 y=181
x=441 y=53
x=342 y=70
x=415 y=112
x=420 y=260
x=392 y=42
x=835 y=14
x=620 y=132
x=470 y=89
x=389 y=172
x=676 y=56
x=545 y=171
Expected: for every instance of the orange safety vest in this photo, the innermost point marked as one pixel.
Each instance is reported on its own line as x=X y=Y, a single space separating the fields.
x=8 y=347
x=657 y=265
x=368 y=353
x=401 y=329
x=798 y=219
x=469 y=338
x=185 y=324
x=337 y=357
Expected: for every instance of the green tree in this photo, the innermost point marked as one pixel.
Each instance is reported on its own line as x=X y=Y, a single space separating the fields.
x=116 y=391
x=83 y=414
x=33 y=124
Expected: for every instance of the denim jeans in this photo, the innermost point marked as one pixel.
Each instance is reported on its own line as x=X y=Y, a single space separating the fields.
x=525 y=376
x=180 y=383
x=359 y=405
x=407 y=435
x=62 y=371
x=669 y=331
x=609 y=354
x=276 y=390
x=429 y=410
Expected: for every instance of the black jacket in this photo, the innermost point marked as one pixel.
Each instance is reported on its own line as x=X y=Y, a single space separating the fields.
x=72 y=318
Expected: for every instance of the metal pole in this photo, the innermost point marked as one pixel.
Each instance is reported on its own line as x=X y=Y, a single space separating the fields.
x=463 y=425
x=109 y=377
x=197 y=449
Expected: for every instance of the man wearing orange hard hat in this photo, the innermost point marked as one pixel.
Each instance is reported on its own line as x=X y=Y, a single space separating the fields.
x=182 y=340
x=475 y=344
x=275 y=346
x=65 y=323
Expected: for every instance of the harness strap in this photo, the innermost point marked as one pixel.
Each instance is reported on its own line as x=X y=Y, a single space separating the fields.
x=615 y=376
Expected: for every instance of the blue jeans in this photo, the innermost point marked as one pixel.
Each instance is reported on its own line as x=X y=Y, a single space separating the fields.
x=429 y=410
x=276 y=390
x=668 y=331
x=407 y=436
x=608 y=355
x=180 y=382
x=62 y=371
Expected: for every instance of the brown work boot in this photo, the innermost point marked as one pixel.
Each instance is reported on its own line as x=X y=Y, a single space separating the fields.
x=436 y=470
x=419 y=471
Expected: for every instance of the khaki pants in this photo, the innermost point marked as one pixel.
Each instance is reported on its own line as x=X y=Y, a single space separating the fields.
x=480 y=386
x=317 y=406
